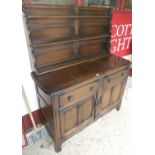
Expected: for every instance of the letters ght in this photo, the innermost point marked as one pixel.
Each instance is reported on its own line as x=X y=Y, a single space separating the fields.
x=121 y=37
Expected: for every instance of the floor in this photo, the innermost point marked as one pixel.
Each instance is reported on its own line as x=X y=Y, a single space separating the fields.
x=110 y=135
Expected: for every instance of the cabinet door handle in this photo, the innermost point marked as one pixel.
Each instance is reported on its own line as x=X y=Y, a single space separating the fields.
x=97 y=102
x=70 y=98
x=100 y=100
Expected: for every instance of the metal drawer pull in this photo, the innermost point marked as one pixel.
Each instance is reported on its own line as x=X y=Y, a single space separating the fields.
x=70 y=98
x=91 y=88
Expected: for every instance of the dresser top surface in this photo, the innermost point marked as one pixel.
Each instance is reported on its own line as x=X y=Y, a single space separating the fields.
x=63 y=78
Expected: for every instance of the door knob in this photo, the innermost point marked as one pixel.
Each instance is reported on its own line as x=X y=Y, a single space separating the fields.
x=70 y=98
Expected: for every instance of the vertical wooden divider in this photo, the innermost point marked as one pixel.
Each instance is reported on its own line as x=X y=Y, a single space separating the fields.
x=76 y=31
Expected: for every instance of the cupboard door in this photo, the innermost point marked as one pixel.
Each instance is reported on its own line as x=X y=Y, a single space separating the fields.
x=113 y=89
x=76 y=117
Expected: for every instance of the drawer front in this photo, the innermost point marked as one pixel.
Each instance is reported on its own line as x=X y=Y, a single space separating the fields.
x=77 y=94
x=115 y=78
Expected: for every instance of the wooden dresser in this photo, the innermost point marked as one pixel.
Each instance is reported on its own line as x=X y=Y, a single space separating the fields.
x=77 y=79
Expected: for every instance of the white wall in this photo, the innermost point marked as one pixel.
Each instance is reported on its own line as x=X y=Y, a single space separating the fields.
x=128 y=57
x=26 y=78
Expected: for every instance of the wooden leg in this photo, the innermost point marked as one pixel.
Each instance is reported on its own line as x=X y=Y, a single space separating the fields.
x=118 y=107
x=57 y=131
x=57 y=147
x=57 y=143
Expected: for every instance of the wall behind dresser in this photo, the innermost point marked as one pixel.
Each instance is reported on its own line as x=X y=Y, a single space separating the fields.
x=27 y=80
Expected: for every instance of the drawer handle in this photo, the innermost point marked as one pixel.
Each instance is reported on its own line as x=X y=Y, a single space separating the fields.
x=70 y=98
x=108 y=80
x=91 y=88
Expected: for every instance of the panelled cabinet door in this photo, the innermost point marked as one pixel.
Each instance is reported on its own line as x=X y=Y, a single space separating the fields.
x=113 y=88
x=76 y=116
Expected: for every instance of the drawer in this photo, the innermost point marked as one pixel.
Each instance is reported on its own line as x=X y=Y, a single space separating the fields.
x=115 y=78
x=77 y=94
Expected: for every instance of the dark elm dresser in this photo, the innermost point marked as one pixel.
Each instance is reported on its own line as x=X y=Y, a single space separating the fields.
x=77 y=79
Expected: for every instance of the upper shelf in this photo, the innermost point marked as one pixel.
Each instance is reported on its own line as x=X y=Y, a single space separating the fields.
x=55 y=17
x=62 y=35
x=60 y=10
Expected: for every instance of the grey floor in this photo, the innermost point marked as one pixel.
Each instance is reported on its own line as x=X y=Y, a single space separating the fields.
x=110 y=135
